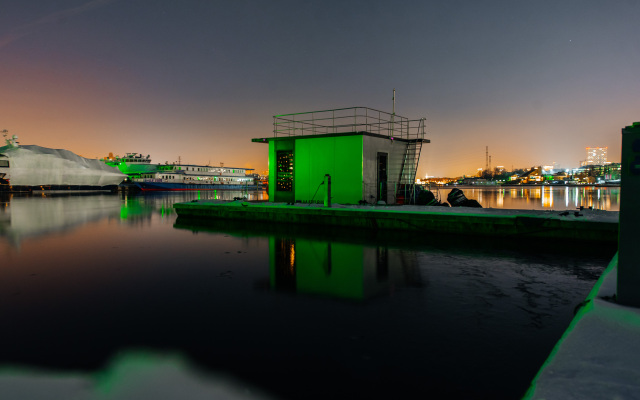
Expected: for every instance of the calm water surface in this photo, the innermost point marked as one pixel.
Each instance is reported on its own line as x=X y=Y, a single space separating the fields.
x=546 y=197
x=293 y=311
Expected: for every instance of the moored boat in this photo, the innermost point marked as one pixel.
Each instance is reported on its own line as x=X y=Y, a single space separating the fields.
x=195 y=177
x=156 y=177
x=25 y=168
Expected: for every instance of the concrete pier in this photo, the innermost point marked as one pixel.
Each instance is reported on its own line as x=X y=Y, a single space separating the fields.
x=582 y=226
x=597 y=357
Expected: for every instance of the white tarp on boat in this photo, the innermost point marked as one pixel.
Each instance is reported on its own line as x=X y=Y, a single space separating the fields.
x=32 y=165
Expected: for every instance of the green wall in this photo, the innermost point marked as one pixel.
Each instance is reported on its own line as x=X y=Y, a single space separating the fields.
x=313 y=158
x=340 y=157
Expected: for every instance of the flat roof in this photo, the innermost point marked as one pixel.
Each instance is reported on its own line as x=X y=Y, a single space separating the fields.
x=360 y=133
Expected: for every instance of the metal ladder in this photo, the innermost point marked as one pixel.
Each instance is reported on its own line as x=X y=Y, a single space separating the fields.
x=409 y=167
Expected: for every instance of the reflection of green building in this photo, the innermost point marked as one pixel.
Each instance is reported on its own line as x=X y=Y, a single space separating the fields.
x=337 y=269
x=370 y=155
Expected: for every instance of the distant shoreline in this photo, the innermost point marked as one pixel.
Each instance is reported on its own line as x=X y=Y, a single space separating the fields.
x=572 y=185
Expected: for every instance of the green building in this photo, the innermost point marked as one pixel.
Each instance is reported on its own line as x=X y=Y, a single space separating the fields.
x=370 y=156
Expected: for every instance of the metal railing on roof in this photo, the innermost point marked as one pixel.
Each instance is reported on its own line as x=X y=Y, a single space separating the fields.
x=347 y=120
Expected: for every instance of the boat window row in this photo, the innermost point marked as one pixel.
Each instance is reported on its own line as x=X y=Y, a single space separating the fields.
x=200 y=169
x=205 y=169
x=198 y=178
x=212 y=178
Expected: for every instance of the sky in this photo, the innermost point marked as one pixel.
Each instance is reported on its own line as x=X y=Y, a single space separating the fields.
x=195 y=80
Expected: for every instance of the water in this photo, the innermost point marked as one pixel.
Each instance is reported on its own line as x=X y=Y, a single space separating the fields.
x=546 y=197
x=292 y=311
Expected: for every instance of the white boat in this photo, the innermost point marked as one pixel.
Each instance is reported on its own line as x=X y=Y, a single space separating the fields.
x=31 y=167
x=195 y=177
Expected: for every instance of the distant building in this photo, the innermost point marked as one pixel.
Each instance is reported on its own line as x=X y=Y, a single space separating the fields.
x=535 y=174
x=595 y=156
x=610 y=172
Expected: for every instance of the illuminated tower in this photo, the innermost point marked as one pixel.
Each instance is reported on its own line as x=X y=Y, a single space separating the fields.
x=596 y=155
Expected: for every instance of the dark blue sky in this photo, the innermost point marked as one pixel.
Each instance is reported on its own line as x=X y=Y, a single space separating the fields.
x=536 y=81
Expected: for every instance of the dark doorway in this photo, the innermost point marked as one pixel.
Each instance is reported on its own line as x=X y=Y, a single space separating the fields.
x=284 y=171
x=382 y=177
x=284 y=176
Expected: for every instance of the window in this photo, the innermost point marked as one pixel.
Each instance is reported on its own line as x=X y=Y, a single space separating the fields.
x=4 y=163
x=284 y=171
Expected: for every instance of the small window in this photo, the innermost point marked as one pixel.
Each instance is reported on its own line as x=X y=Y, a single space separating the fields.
x=4 y=163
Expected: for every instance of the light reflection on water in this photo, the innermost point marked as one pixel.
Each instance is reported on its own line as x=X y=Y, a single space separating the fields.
x=299 y=312
x=546 y=197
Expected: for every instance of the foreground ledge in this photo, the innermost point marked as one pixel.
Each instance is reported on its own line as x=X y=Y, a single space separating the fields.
x=597 y=357
x=584 y=225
